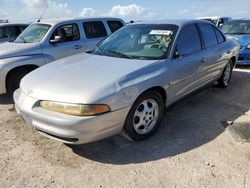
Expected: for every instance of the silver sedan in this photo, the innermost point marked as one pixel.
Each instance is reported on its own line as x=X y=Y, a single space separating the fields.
x=126 y=82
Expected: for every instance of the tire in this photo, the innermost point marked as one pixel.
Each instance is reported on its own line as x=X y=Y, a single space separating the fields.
x=14 y=80
x=226 y=75
x=144 y=117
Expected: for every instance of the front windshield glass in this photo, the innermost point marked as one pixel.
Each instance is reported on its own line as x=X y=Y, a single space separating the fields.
x=237 y=27
x=34 y=33
x=139 y=42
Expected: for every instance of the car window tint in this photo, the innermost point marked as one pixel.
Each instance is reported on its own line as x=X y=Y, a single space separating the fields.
x=7 y=32
x=22 y=28
x=114 y=25
x=189 y=41
x=69 y=32
x=219 y=35
x=18 y=31
x=1 y=33
x=208 y=34
x=94 y=29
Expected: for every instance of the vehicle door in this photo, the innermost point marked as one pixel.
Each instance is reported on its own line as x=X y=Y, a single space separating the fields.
x=186 y=68
x=64 y=41
x=94 y=32
x=215 y=50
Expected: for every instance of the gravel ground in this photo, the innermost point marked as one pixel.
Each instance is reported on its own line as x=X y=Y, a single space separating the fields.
x=191 y=149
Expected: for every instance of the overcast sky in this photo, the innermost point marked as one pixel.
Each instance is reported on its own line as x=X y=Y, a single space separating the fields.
x=30 y=10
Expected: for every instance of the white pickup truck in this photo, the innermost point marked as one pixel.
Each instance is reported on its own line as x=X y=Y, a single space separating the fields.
x=44 y=42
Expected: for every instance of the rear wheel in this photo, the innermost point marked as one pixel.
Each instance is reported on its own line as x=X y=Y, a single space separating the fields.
x=226 y=75
x=144 y=117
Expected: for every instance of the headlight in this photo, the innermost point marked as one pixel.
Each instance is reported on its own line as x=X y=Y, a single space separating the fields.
x=248 y=46
x=75 y=109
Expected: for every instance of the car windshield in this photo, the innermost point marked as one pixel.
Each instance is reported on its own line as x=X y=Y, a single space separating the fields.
x=237 y=27
x=139 y=42
x=34 y=33
x=213 y=21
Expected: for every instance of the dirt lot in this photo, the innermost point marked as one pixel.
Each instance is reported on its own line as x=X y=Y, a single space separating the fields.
x=191 y=149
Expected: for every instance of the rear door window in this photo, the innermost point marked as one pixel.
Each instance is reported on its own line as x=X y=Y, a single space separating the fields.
x=94 y=29
x=208 y=34
x=189 y=41
x=115 y=25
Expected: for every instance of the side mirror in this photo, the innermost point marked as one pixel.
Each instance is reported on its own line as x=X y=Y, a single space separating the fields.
x=176 y=55
x=220 y=25
x=57 y=39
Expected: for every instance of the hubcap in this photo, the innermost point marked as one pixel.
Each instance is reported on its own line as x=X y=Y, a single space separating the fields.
x=227 y=74
x=146 y=116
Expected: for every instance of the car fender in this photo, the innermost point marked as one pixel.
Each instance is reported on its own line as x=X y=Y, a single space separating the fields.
x=8 y=64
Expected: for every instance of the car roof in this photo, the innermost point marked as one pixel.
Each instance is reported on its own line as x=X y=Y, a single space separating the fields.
x=178 y=22
x=61 y=20
x=213 y=17
x=13 y=24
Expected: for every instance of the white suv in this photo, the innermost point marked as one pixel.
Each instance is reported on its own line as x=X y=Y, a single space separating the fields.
x=44 y=42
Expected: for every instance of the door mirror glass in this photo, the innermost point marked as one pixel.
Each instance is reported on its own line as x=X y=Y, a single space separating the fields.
x=57 y=39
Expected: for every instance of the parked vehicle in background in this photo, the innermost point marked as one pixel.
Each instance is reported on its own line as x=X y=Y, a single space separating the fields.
x=4 y=21
x=126 y=81
x=47 y=41
x=10 y=31
x=216 y=20
x=240 y=31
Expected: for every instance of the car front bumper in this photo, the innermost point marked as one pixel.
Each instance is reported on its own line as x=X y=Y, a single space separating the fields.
x=3 y=73
x=244 y=57
x=66 y=128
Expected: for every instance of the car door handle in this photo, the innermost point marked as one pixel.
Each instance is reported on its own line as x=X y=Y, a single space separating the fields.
x=77 y=47
x=203 y=60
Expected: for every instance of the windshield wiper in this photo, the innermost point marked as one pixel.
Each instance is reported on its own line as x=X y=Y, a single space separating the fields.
x=22 y=39
x=100 y=50
x=117 y=53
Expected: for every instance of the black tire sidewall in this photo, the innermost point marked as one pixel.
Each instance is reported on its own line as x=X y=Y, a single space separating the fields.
x=221 y=81
x=128 y=126
x=15 y=80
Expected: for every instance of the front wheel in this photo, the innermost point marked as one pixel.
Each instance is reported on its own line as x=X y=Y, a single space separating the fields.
x=144 y=117
x=226 y=75
x=14 y=80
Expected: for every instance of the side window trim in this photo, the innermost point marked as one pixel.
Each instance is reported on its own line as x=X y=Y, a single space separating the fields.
x=79 y=33
x=203 y=47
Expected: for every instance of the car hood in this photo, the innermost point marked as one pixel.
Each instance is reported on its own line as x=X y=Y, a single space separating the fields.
x=10 y=49
x=82 y=78
x=244 y=40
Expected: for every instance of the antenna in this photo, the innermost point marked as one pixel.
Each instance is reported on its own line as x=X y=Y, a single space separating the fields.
x=45 y=10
